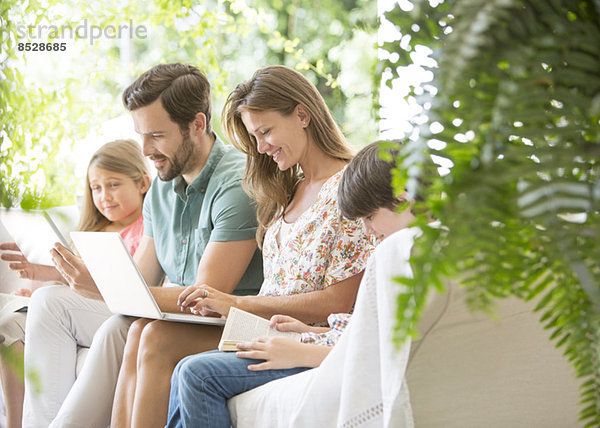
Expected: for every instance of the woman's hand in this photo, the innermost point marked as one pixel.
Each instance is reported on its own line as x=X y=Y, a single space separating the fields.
x=278 y=353
x=26 y=270
x=75 y=273
x=205 y=300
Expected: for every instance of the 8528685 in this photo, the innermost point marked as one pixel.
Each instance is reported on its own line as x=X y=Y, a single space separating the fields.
x=42 y=47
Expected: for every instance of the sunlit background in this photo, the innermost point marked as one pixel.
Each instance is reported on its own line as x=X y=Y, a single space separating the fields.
x=333 y=43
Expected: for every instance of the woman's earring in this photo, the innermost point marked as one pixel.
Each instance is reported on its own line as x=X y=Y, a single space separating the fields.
x=304 y=123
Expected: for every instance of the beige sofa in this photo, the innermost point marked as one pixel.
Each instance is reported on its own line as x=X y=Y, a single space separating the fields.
x=468 y=370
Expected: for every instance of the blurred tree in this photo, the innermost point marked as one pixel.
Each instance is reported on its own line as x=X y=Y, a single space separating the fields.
x=50 y=101
x=515 y=108
x=33 y=120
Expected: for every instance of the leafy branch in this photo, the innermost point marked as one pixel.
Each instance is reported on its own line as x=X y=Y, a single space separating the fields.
x=517 y=95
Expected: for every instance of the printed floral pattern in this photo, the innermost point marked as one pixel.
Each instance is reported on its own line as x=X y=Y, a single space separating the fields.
x=321 y=249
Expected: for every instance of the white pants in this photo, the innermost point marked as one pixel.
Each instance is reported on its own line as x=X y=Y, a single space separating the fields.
x=89 y=403
x=58 y=321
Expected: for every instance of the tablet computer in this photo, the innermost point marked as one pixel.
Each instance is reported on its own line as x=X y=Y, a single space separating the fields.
x=34 y=232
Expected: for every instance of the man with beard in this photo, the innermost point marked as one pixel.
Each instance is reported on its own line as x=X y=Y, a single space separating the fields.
x=199 y=228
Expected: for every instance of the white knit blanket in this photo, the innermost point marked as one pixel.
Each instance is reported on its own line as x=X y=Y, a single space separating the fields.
x=361 y=382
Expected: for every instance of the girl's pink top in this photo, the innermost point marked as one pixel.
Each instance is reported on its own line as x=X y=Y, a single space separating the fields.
x=132 y=234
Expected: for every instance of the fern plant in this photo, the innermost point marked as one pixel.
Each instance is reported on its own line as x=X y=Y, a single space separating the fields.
x=517 y=94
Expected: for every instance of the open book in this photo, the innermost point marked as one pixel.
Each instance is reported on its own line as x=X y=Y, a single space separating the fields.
x=242 y=326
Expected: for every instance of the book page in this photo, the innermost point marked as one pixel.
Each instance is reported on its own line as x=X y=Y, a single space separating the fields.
x=242 y=326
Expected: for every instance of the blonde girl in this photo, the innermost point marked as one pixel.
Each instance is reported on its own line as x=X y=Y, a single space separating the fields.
x=116 y=182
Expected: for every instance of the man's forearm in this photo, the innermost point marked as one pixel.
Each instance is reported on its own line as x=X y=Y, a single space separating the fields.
x=166 y=297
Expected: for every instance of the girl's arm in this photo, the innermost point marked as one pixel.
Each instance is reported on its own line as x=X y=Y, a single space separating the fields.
x=26 y=270
x=72 y=268
x=282 y=353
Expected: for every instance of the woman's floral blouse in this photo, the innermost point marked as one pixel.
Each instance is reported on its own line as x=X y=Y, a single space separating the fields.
x=321 y=248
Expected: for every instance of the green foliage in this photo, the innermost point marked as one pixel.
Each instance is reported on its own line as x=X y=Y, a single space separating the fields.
x=14 y=360
x=50 y=102
x=28 y=134
x=517 y=95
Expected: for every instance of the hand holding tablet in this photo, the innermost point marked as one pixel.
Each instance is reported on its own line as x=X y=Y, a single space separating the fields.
x=35 y=234
x=26 y=270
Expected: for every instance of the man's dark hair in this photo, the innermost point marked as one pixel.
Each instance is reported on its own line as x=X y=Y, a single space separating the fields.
x=366 y=184
x=182 y=89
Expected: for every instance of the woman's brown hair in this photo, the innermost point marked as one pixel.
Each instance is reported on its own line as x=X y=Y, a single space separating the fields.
x=281 y=89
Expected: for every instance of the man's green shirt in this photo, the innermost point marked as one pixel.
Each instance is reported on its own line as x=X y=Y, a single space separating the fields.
x=214 y=207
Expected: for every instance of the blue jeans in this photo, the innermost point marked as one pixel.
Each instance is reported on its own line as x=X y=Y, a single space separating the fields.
x=202 y=383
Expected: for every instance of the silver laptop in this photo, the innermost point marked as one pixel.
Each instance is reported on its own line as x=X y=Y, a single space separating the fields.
x=34 y=232
x=119 y=280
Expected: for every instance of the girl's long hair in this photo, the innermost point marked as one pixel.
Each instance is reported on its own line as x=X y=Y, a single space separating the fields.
x=120 y=156
x=278 y=88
